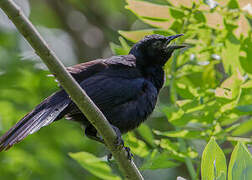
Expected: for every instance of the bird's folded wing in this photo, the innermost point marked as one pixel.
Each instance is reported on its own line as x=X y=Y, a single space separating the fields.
x=84 y=70
x=109 y=91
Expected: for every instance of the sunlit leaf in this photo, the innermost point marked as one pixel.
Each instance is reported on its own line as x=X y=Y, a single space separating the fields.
x=137 y=146
x=230 y=57
x=180 y=133
x=120 y=50
x=213 y=163
x=94 y=165
x=240 y=166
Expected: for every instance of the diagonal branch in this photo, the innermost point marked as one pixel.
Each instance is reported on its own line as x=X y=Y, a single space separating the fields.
x=77 y=94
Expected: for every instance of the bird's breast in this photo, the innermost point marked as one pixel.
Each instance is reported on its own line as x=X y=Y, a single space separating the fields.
x=132 y=113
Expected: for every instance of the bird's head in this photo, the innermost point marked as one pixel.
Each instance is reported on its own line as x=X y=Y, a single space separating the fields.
x=154 y=49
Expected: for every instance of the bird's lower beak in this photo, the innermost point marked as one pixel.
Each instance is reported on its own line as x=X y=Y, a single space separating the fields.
x=173 y=47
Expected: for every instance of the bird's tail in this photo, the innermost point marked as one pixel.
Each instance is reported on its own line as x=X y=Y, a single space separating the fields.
x=45 y=113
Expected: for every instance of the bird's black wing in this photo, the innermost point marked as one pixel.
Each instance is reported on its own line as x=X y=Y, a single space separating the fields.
x=113 y=87
x=84 y=70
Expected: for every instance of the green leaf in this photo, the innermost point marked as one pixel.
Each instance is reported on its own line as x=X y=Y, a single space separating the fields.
x=180 y=133
x=159 y=161
x=146 y=133
x=213 y=163
x=118 y=50
x=243 y=128
x=240 y=166
x=124 y=44
x=233 y=4
x=246 y=54
x=176 y=13
x=230 y=57
x=94 y=165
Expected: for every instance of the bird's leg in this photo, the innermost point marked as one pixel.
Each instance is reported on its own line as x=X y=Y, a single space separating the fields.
x=120 y=142
x=91 y=133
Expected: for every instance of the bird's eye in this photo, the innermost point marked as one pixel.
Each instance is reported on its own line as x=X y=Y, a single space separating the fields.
x=157 y=44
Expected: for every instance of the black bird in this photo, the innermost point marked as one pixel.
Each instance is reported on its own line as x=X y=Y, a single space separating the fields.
x=125 y=88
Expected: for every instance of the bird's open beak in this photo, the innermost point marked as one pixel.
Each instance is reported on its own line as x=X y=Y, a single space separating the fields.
x=173 y=46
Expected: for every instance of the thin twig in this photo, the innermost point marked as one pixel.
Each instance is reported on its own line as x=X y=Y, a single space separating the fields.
x=77 y=94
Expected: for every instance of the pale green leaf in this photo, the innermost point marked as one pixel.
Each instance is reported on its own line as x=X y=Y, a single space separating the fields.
x=230 y=57
x=94 y=165
x=180 y=134
x=240 y=166
x=213 y=163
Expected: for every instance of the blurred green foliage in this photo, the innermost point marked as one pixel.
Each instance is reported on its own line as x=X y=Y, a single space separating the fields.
x=208 y=90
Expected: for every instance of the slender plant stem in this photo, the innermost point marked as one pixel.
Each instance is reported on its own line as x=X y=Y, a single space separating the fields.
x=188 y=161
x=77 y=94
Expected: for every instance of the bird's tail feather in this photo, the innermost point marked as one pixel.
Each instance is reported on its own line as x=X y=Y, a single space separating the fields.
x=45 y=113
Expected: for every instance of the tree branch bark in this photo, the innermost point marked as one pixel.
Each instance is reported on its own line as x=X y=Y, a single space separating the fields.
x=77 y=94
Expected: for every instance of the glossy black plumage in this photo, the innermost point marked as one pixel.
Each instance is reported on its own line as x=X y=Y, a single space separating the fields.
x=125 y=88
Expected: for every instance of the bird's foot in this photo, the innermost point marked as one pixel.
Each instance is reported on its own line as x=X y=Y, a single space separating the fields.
x=91 y=133
x=129 y=154
x=119 y=142
x=109 y=157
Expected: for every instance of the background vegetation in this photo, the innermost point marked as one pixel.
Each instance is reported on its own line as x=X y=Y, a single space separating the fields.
x=208 y=90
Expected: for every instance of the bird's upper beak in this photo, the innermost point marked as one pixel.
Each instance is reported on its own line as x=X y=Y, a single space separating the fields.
x=173 y=47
